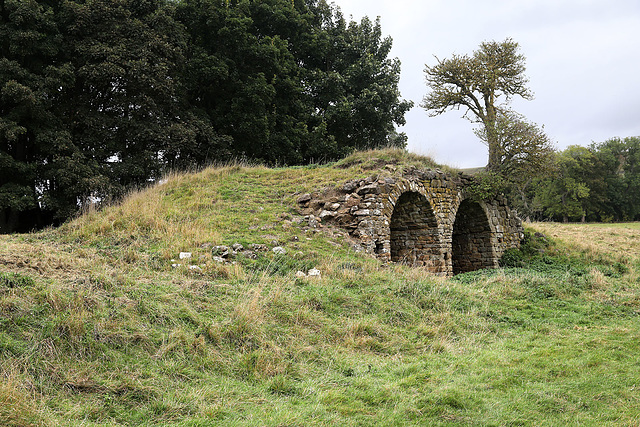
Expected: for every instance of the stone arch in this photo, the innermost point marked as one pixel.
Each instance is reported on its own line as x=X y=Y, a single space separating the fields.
x=471 y=245
x=414 y=234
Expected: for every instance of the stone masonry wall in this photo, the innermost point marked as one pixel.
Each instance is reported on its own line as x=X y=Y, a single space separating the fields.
x=422 y=218
x=414 y=237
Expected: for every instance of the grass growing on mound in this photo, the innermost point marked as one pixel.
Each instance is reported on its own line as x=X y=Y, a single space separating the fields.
x=97 y=328
x=392 y=159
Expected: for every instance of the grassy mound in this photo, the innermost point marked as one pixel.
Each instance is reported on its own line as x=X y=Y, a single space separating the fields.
x=102 y=323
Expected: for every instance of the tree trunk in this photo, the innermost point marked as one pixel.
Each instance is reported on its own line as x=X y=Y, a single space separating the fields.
x=523 y=197
x=492 y=139
x=8 y=221
x=494 y=158
x=565 y=217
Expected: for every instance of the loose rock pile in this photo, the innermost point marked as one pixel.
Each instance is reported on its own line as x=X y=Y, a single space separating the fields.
x=225 y=253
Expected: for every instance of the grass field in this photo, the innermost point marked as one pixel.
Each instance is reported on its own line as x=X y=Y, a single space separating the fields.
x=98 y=328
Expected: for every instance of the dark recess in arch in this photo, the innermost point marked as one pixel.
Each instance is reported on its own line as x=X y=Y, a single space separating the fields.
x=471 y=243
x=415 y=239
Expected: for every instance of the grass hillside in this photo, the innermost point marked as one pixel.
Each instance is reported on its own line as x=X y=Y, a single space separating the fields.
x=102 y=323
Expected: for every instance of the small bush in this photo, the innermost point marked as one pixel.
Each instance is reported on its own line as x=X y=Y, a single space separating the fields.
x=512 y=257
x=486 y=186
x=533 y=251
x=616 y=270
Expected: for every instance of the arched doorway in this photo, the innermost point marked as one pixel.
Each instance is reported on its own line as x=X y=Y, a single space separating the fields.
x=414 y=233
x=471 y=243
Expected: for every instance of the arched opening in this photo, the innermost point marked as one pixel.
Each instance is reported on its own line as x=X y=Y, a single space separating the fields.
x=414 y=233
x=471 y=243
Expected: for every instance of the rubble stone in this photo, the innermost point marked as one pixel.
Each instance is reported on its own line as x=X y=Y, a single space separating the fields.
x=424 y=218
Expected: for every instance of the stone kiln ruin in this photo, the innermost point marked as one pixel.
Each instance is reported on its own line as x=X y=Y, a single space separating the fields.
x=422 y=218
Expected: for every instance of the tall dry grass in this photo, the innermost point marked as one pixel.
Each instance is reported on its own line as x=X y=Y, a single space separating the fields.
x=17 y=403
x=615 y=243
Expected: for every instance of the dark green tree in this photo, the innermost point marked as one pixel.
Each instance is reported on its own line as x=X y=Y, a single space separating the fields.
x=41 y=171
x=565 y=194
x=124 y=109
x=236 y=71
x=290 y=81
x=615 y=183
x=357 y=93
x=98 y=96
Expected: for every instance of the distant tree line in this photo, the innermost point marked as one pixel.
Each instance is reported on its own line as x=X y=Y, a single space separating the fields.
x=598 y=183
x=99 y=96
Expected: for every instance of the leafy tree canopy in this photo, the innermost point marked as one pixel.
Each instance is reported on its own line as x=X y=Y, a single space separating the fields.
x=98 y=96
x=596 y=183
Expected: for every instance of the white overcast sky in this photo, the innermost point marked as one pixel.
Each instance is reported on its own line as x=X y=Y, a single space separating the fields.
x=583 y=64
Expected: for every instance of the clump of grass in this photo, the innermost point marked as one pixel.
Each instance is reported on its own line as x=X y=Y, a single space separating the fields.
x=15 y=280
x=389 y=159
x=277 y=264
x=17 y=406
x=146 y=220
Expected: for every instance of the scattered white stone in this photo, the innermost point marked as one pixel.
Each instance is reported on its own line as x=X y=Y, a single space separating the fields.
x=195 y=268
x=176 y=265
x=313 y=221
x=314 y=272
x=185 y=255
x=279 y=250
x=325 y=214
x=300 y=274
x=218 y=259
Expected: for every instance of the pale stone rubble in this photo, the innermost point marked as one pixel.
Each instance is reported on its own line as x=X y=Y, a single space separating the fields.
x=422 y=217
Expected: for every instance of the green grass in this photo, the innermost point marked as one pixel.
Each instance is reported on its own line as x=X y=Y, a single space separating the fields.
x=97 y=328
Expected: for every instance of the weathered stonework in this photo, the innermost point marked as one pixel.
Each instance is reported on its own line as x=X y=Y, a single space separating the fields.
x=422 y=218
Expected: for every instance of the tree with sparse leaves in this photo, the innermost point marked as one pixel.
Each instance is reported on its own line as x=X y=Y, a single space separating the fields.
x=482 y=84
x=525 y=153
